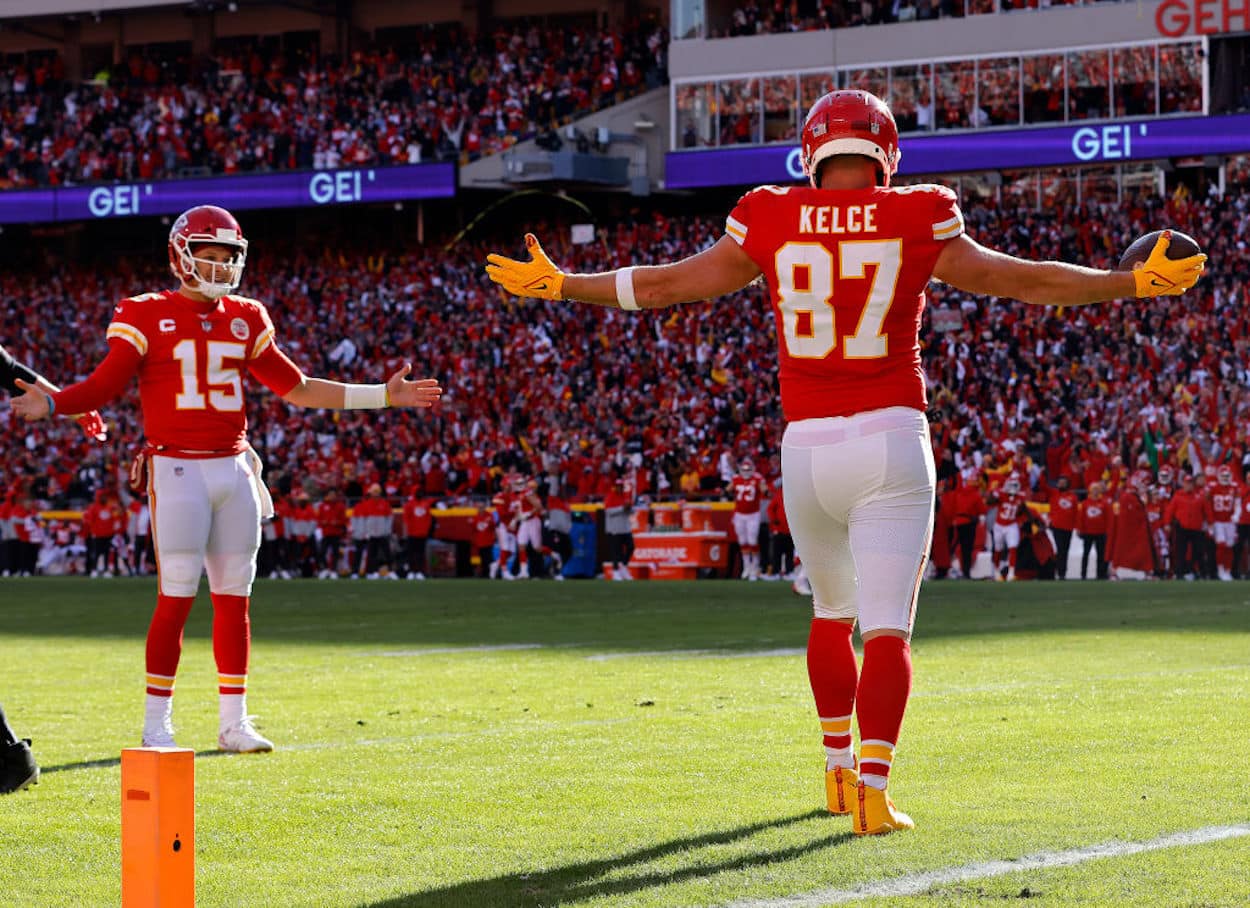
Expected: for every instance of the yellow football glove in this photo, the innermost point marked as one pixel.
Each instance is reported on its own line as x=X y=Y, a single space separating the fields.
x=1162 y=276
x=538 y=278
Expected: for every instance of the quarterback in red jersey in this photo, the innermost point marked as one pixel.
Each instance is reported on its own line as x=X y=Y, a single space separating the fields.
x=190 y=348
x=749 y=489
x=847 y=260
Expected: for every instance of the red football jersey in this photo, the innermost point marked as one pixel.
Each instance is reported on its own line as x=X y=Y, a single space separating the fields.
x=1224 y=500
x=191 y=366
x=1010 y=509
x=748 y=491
x=847 y=270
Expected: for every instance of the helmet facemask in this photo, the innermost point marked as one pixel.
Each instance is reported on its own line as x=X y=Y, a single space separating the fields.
x=226 y=275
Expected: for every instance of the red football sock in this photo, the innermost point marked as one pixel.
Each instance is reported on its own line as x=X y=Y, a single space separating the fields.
x=884 y=686
x=833 y=673
x=232 y=639
x=164 y=644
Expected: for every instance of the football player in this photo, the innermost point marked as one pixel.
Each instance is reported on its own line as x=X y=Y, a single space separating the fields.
x=748 y=488
x=1225 y=498
x=191 y=348
x=18 y=768
x=847 y=260
x=1007 y=519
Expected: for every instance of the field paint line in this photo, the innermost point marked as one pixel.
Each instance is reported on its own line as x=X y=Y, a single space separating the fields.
x=454 y=650
x=699 y=654
x=918 y=883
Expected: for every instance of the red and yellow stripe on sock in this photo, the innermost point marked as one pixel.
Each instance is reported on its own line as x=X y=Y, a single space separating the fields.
x=160 y=685
x=875 y=759
x=837 y=736
x=231 y=684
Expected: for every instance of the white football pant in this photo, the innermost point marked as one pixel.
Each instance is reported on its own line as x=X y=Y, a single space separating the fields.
x=747 y=529
x=205 y=516
x=859 y=493
x=1006 y=536
x=530 y=533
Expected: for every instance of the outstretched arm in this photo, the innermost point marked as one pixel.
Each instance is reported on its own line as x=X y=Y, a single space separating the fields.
x=39 y=398
x=278 y=373
x=721 y=269
x=966 y=264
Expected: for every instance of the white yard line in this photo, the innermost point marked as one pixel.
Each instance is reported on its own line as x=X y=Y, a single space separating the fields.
x=698 y=654
x=917 y=883
x=455 y=650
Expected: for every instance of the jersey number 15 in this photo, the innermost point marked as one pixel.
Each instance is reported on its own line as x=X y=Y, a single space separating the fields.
x=224 y=384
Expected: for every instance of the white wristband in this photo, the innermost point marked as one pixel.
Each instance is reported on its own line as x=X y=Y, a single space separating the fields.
x=364 y=397
x=625 y=289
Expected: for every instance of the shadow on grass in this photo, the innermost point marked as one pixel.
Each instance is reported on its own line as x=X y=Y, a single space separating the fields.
x=606 y=617
x=114 y=761
x=577 y=882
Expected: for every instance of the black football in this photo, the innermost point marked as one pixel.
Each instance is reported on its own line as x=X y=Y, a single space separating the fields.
x=1182 y=246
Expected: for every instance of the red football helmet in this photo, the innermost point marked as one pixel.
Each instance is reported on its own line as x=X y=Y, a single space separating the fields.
x=205 y=225
x=1225 y=475
x=851 y=122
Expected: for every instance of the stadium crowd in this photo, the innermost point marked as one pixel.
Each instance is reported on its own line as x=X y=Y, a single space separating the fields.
x=453 y=95
x=759 y=17
x=955 y=94
x=587 y=402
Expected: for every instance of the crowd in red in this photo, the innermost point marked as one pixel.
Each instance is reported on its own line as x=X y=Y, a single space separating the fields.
x=757 y=17
x=452 y=95
x=579 y=396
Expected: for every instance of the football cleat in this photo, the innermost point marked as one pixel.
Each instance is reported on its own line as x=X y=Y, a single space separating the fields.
x=874 y=812
x=18 y=769
x=841 y=783
x=159 y=735
x=243 y=738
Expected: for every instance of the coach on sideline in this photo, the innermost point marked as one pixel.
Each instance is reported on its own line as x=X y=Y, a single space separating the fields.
x=18 y=768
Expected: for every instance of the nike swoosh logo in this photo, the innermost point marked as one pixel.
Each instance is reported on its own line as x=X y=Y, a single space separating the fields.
x=542 y=286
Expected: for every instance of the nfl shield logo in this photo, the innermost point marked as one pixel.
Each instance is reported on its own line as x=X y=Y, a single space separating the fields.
x=875 y=127
x=207 y=326
x=178 y=471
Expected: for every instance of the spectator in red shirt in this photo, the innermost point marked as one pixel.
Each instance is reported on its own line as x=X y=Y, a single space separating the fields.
x=1091 y=522
x=418 y=522
x=482 y=538
x=1191 y=512
x=781 y=548
x=967 y=514
x=1064 y=506
x=332 y=521
x=1129 y=547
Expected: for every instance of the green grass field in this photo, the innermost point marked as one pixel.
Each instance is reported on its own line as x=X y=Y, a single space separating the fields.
x=466 y=743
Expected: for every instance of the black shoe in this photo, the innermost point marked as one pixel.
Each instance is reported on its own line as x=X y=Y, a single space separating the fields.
x=18 y=768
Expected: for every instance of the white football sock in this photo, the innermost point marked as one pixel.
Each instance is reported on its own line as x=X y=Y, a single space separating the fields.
x=157 y=711
x=231 y=708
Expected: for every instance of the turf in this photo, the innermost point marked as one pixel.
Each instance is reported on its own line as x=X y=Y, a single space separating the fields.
x=468 y=743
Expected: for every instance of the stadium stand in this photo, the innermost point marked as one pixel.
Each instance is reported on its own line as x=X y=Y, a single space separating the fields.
x=761 y=17
x=451 y=96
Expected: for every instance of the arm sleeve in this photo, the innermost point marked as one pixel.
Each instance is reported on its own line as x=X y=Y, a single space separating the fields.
x=275 y=370
x=105 y=383
x=11 y=370
x=948 y=220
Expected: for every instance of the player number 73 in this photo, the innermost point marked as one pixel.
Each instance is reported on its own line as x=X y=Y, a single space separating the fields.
x=225 y=385
x=805 y=294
